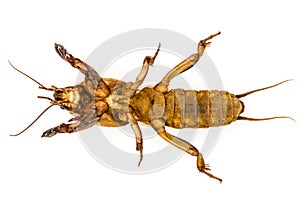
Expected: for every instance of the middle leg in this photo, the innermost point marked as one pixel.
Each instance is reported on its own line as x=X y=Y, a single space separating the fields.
x=138 y=135
x=149 y=60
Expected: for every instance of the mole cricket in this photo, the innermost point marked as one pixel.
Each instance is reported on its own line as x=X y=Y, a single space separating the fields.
x=112 y=103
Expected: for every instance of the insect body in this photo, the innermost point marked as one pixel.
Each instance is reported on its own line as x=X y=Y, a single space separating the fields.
x=110 y=102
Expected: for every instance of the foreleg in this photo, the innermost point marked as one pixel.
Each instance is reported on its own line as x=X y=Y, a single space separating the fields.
x=69 y=128
x=92 y=78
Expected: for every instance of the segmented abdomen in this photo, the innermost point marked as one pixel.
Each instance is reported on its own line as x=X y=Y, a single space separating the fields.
x=200 y=109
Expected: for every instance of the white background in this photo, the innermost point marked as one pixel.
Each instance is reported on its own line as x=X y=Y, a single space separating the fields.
x=259 y=46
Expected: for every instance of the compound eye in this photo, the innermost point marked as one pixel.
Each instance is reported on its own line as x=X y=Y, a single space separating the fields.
x=62 y=107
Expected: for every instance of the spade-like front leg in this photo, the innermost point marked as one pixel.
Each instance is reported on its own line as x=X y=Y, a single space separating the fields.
x=92 y=79
x=69 y=128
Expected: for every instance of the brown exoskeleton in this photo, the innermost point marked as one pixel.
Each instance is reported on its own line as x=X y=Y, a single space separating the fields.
x=110 y=102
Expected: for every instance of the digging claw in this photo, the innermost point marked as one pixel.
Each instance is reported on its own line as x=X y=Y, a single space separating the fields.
x=49 y=133
x=53 y=131
x=62 y=52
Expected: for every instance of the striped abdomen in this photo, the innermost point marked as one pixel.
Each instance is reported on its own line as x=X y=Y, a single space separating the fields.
x=200 y=109
x=187 y=108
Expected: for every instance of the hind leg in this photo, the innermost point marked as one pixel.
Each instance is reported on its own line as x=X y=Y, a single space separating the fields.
x=184 y=65
x=159 y=126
